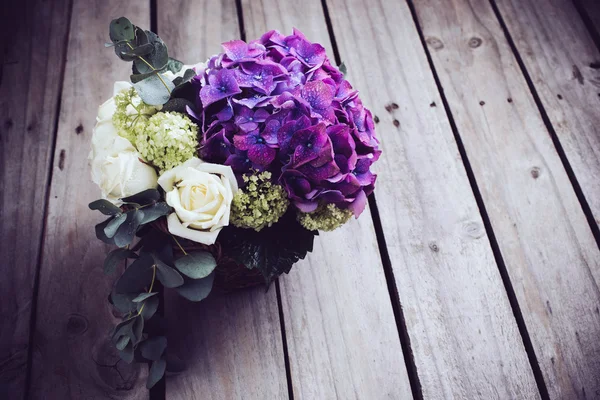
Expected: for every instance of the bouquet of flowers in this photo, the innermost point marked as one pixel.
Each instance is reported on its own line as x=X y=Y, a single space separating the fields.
x=219 y=175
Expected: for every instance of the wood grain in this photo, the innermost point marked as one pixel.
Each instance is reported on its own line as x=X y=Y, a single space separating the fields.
x=75 y=358
x=560 y=55
x=33 y=56
x=231 y=343
x=464 y=338
x=340 y=329
x=550 y=254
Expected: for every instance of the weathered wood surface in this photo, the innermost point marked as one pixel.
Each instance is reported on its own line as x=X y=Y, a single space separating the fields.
x=232 y=344
x=560 y=57
x=592 y=10
x=333 y=299
x=32 y=62
x=550 y=254
x=463 y=334
x=75 y=358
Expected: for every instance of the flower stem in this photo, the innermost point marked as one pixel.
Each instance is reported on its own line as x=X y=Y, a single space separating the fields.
x=149 y=291
x=179 y=245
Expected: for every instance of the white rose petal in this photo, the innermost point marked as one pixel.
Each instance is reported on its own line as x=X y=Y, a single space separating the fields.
x=115 y=163
x=201 y=195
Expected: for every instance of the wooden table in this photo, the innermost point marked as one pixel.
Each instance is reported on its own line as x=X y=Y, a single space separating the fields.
x=473 y=274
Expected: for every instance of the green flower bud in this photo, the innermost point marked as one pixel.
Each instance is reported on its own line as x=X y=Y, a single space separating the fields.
x=326 y=217
x=260 y=204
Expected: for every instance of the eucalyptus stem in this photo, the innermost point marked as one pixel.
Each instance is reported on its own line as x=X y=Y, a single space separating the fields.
x=149 y=291
x=152 y=68
x=184 y=253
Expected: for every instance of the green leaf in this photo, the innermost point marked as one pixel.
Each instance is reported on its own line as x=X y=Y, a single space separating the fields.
x=149 y=307
x=123 y=342
x=143 y=296
x=154 y=90
x=127 y=353
x=112 y=260
x=197 y=289
x=111 y=228
x=146 y=197
x=105 y=207
x=139 y=50
x=121 y=29
x=158 y=57
x=174 y=65
x=157 y=371
x=167 y=275
x=273 y=250
x=177 y=104
x=154 y=212
x=135 y=78
x=122 y=329
x=122 y=302
x=154 y=347
x=137 y=276
x=196 y=265
x=100 y=232
x=137 y=329
x=343 y=69
x=126 y=232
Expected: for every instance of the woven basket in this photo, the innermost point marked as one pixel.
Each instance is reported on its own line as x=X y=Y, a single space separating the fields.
x=229 y=275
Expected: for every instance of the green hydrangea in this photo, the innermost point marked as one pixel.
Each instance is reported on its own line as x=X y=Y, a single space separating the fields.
x=132 y=114
x=168 y=140
x=260 y=204
x=326 y=217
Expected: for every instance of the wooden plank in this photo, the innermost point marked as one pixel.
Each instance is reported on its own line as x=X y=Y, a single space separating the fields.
x=549 y=250
x=559 y=53
x=76 y=358
x=33 y=58
x=231 y=343
x=463 y=335
x=340 y=328
x=592 y=9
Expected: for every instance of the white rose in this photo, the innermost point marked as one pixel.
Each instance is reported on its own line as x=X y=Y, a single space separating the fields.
x=201 y=194
x=116 y=165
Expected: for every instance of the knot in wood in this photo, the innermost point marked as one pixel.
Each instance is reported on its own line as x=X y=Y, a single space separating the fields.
x=77 y=325
x=434 y=247
x=473 y=229
x=435 y=43
x=475 y=42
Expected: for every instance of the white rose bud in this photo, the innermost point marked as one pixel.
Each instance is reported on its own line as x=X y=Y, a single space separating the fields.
x=116 y=165
x=201 y=194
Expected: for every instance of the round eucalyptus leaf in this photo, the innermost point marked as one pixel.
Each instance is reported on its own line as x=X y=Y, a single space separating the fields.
x=136 y=277
x=116 y=256
x=127 y=353
x=154 y=347
x=197 y=289
x=196 y=265
x=123 y=342
x=148 y=308
x=143 y=296
x=157 y=371
x=111 y=228
x=121 y=29
x=154 y=90
x=105 y=207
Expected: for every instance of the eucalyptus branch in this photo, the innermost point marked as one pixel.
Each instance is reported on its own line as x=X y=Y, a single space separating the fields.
x=152 y=68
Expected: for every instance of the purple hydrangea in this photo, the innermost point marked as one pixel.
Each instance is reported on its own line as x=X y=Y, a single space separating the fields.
x=278 y=104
